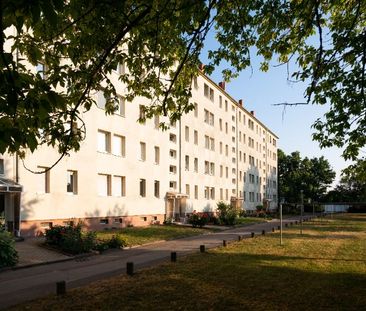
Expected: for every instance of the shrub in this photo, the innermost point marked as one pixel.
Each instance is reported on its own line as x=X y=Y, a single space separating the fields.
x=8 y=253
x=227 y=213
x=243 y=213
x=71 y=239
x=198 y=219
x=116 y=242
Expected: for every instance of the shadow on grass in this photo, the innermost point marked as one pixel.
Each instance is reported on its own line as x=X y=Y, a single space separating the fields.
x=223 y=281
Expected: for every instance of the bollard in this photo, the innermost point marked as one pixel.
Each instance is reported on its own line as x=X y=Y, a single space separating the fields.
x=224 y=243
x=286 y=225
x=263 y=232
x=252 y=234
x=173 y=256
x=279 y=227
x=273 y=229
x=61 y=288
x=296 y=222
x=129 y=268
x=202 y=248
x=239 y=238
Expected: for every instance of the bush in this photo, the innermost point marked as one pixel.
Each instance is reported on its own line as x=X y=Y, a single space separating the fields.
x=8 y=253
x=227 y=213
x=116 y=242
x=198 y=219
x=71 y=239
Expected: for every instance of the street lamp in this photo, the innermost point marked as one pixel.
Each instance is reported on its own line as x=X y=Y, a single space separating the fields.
x=282 y=200
x=301 y=209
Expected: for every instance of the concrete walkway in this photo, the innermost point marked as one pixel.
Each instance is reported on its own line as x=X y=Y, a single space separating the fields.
x=21 y=285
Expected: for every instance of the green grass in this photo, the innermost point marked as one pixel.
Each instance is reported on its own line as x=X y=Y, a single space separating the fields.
x=250 y=220
x=324 y=269
x=142 y=235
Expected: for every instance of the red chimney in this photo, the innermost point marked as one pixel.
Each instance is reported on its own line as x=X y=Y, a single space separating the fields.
x=241 y=102
x=201 y=67
x=252 y=112
x=222 y=85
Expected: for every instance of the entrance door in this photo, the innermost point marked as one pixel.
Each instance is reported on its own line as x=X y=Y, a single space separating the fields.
x=169 y=208
x=2 y=211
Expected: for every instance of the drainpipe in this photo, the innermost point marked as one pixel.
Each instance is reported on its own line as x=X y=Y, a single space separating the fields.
x=237 y=156
x=180 y=157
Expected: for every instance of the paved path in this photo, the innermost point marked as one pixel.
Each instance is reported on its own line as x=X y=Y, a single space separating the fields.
x=20 y=285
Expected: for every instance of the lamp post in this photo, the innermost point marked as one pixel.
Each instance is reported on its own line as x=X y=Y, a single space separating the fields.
x=301 y=209
x=282 y=200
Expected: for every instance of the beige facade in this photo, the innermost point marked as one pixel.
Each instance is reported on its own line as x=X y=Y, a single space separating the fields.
x=130 y=173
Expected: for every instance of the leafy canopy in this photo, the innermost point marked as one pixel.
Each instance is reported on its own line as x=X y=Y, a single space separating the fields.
x=296 y=174
x=160 y=41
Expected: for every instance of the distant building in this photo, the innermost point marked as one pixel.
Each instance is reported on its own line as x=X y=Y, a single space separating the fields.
x=130 y=173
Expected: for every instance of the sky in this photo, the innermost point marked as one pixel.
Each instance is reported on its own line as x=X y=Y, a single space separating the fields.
x=261 y=90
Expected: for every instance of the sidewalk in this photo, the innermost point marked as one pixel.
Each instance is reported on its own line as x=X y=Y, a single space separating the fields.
x=18 y=286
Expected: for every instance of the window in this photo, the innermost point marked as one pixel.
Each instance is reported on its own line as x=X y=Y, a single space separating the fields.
x=196 y=110
x=227 y=172
x=101 y=100
x=207 y=167
x=2 y=168
x=142 y=115
x=173 y=138
x=187 y=133
x=220 y=101
x=143 y=187
x=212 y=144
x=157 y=155
x=196 y=137
x=187 y=189
x=72 y=181
x=104 y=185
x=186 y=163
x=207 y=193
x=157 y=189
x=226 y=150
x=220 y=147
x=173 y=153
x=221 y=194
x=120 y=69
x=121 y=106
x=226 y=105
x=104 y=141
x=196 y=192
x=173 y=184
x=206 y=90
x=195 y=83
x=119 y=186
x=142 y=151
x=119 y=145
x=212 y=168
x=212 y=193
x=226 y=128
x=44 y=182
x=206 y=116
x=172 y=169
x=227 y=194
x=156 y=122
x=196 y=165
x=211 y=119
x=212 y=94
x=221 y=171
x=207 y=142
x=220 y=124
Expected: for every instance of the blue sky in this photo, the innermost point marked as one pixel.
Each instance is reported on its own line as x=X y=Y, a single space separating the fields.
x=260 y=91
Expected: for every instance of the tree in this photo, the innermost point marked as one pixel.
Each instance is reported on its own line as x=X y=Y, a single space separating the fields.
x=352 y=186
x=80 y=42
x=312 y=176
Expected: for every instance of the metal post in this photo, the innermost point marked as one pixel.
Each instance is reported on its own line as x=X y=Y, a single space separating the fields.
x=301 y=210
x=61 y=288
x=173 y=256
x=202 y=248
x=281 y=243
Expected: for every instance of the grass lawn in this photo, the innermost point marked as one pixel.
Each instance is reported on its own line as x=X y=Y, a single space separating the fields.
x=324 y=269
x=143 y=235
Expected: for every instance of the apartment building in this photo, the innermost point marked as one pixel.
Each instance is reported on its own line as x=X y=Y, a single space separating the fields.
x=127 y=173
